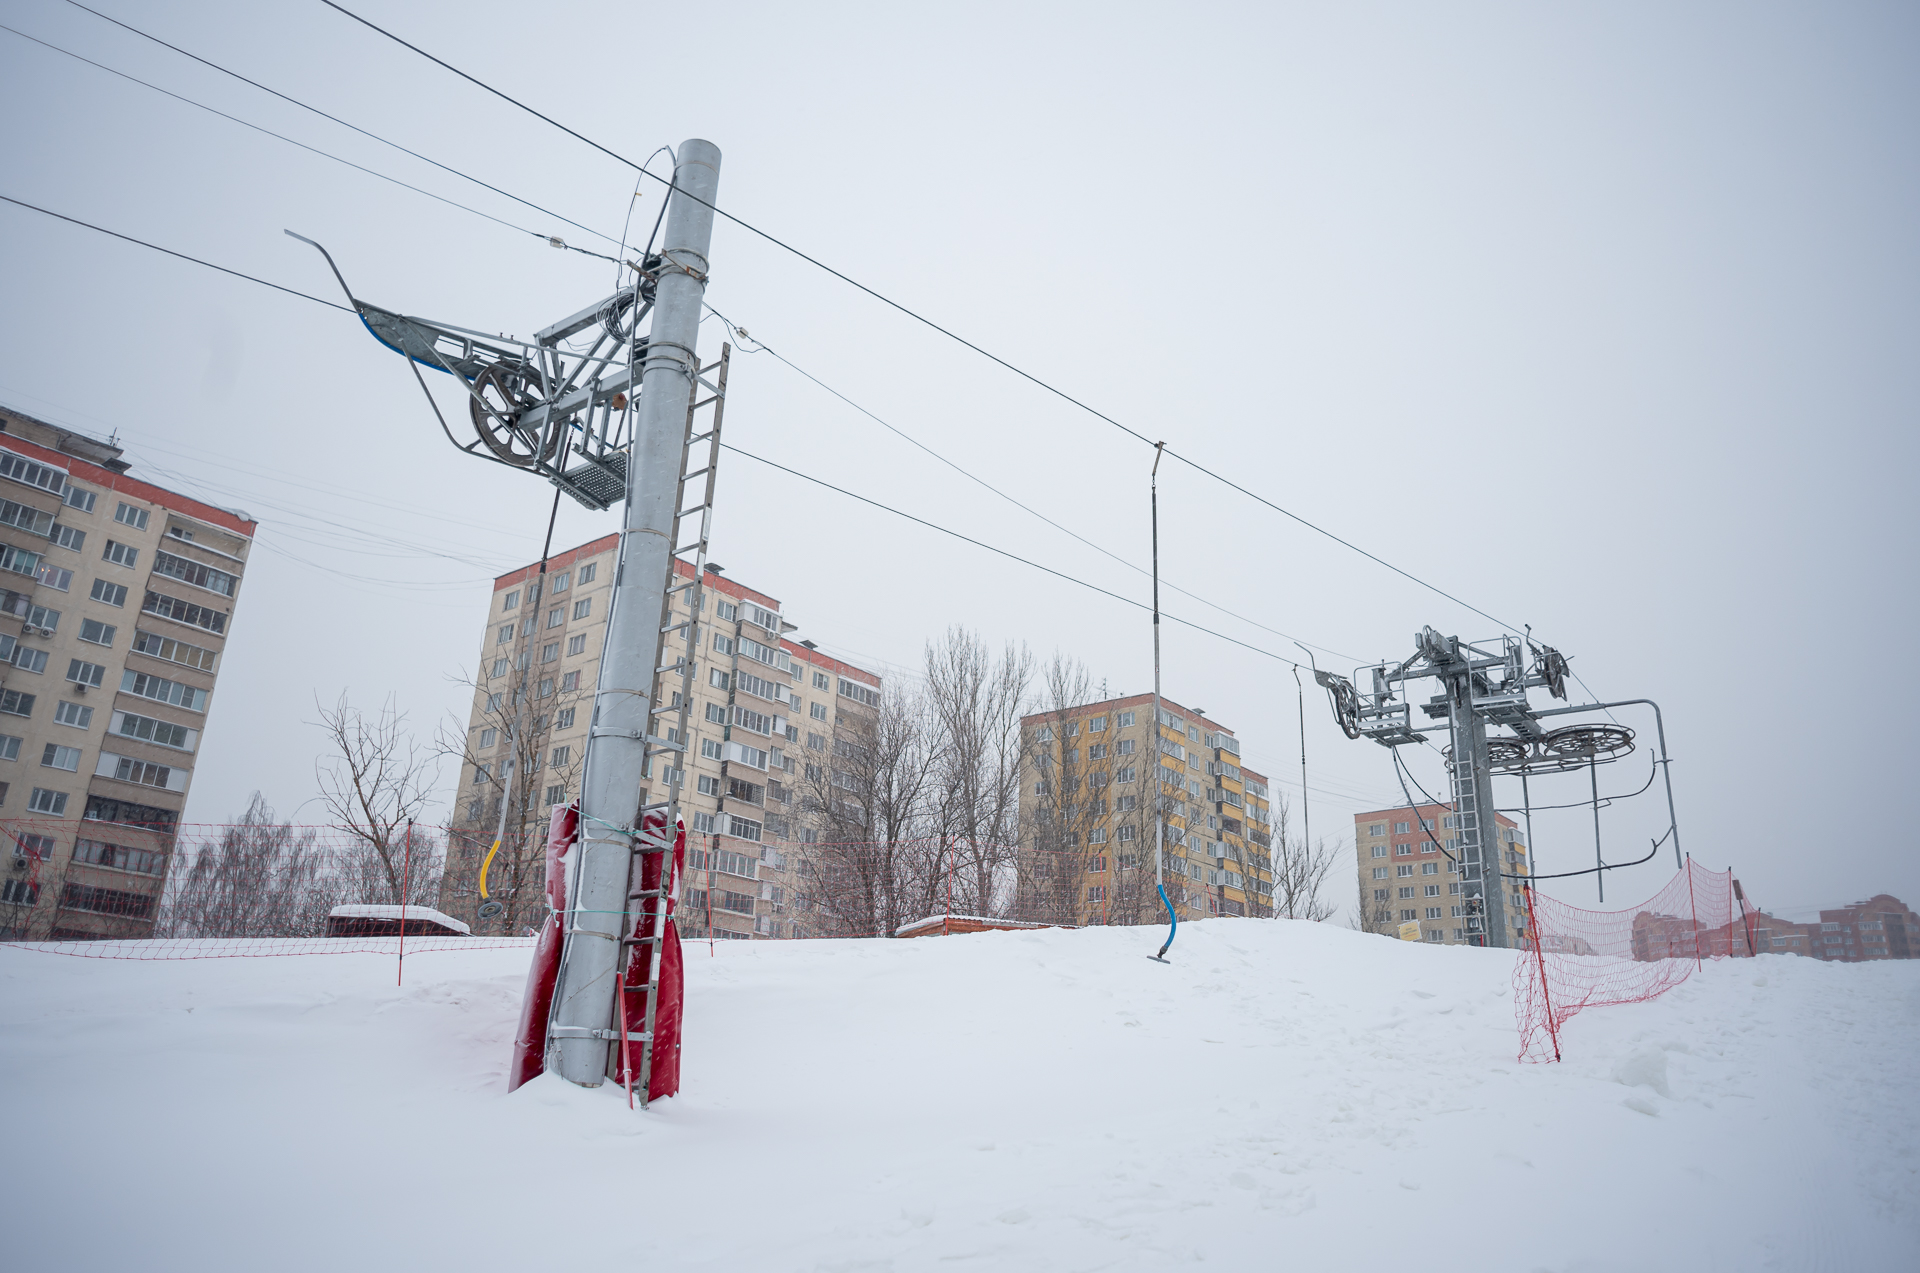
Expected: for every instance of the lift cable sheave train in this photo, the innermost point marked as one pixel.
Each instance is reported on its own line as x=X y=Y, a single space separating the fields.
x=1484 y=685
x=537 y=405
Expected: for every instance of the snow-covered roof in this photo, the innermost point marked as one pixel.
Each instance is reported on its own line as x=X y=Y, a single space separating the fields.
x=424 y=913
x=988 y=920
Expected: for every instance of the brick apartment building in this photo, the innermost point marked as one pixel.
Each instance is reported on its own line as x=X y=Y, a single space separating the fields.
x=1881 y=927
x=763 y=706
x=1404 y=877
x=1086 y=822
x=116 y=603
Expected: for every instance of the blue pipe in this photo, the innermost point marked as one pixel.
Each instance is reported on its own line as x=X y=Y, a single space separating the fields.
x=1171 y=918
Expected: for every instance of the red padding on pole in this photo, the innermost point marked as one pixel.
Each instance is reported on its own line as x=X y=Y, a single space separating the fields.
x=663 y=1078
x=530 y=1040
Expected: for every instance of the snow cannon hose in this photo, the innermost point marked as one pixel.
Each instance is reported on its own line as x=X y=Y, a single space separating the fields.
x=1172 y=919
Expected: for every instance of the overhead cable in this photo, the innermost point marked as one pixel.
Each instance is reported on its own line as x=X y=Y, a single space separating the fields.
x=921 y=318
x=741 y=334
x=294 y=101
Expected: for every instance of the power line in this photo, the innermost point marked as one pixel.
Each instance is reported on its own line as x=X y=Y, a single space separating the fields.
x=170 y=252
x=452 y=203
x=921 y=318
x=344 y=124
x=741 y=333
x=1058 y=574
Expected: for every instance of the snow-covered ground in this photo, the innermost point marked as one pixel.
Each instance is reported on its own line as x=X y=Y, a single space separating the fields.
x=1283 y=1096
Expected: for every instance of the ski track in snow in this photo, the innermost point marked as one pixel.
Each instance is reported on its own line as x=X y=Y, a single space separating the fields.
x=1007 y=1101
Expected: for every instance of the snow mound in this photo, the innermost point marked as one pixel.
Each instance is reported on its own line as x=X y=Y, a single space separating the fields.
x=1282 y=1095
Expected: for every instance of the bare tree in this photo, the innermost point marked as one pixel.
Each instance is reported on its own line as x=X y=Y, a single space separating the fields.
x=261 y=878
x=975 y=702
x=873 y=865
x=1299 y=869
x=1070 y=804
x=376 y=783
x=511 y=767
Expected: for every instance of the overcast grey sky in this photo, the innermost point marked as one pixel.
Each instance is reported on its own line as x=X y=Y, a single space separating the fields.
x=1600 y=317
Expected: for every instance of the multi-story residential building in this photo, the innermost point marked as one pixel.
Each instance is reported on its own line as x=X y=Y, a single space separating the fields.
x=761 y=705
x=116 y=602
x=1882 y=927
x=1089 y=781
x=1405 y=876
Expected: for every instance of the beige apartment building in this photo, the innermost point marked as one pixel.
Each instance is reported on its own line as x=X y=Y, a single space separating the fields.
x=762 y=706
x=1406 y=877
x=116 y=602
x=1089 y=779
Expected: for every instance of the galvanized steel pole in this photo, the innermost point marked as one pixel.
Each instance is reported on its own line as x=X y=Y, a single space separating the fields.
x=616 y=754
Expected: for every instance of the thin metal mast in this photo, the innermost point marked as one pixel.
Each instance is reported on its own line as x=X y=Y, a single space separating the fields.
x=622 y=736
x=1159 y=800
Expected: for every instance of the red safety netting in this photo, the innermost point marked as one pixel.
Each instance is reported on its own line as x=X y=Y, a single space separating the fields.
x=1575 y=958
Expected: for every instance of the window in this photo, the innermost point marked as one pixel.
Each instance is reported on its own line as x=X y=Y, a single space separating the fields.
x=587 y=572
x=493 y=702
x=565 y=719
x=488 y=737
x=164 y=733
x=764 y=618
x=569 y=681
x=1404 y=869
x=816 y=743
x=20 y=892
x=1125 y=804
x=121 y=555
x=546 y=687
x=14 y=703
x=581 y=608
x=480 y=775
x=68 y=538
x=79 y=497
x=81 y=672
x=57 y=757
x=128 y=515
x=1429 y=868
x=159 y=603
x=116 y=857
x=742 y=828
x=1431 y=890
x=180 y=532
x=54 y=577
x=550 y=651
x=1129 y=832
x=9 y=747
x=859 y=693
x=711 y=749
x=28 y=659
x=577 y=645
x=1433 y=912
x=726 y=610
x=147 y=685
x=709 y=785
x=96 y=632
x=1379 y=872
x=19 y=560
x=560 y=582
x=511 y=601
x=1379 y=850
x=557 y=793
x=817 y=710
x=499 y=668
x=1098 y=836
x=716 y=713
x=45 y=801
x=820 y=681
x=505 y=634
x=1406 y=894
x=722 y=645
x=1406 y=915
x=1403 y=850
x=126 y=812
x=556 y=616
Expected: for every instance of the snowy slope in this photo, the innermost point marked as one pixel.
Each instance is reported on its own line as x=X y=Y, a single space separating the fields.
x=1284 y=1095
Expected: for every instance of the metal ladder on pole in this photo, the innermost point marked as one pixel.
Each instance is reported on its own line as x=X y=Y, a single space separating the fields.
x=646 y=937
x=1466 y=821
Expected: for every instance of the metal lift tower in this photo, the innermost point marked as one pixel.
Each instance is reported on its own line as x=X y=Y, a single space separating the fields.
x=617 y=419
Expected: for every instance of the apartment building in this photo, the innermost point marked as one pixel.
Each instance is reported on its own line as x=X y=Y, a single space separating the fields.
x=1405 y=876
x=1090 y=777
x=1882 y=927
x=116 y=602
x=762 y=704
